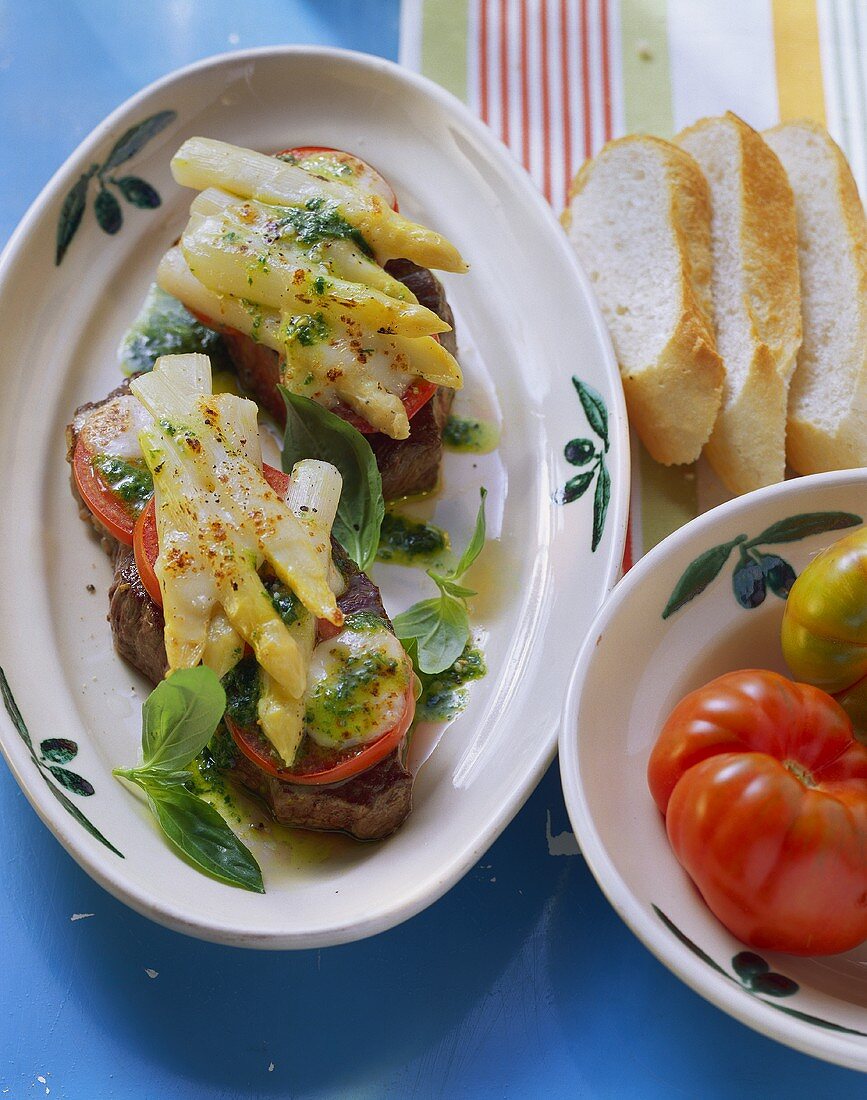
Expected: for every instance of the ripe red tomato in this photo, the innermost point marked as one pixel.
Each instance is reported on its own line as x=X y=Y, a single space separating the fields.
x=145 y=540
x=415 y=396
x=764 y=791
x=115 y=515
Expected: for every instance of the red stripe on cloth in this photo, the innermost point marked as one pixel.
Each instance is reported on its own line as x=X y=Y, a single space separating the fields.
x=585 y=80
x=504 y=71
x=546 y=104
x=627 y=549
x=525 y=88
x=566 y=90
x=606 y=68
x=483 y=60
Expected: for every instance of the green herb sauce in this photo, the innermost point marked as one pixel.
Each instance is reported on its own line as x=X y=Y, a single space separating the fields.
x=241 y=685
x=445 y=695
x=405 y=541
x=286 y=603
x=476 y=436
x=339 y=707
x=306 y=329
x=130 y=481
x=318 y=220
x=165 y=327
x=221 y=752
x=363 y=622
x=323 y=163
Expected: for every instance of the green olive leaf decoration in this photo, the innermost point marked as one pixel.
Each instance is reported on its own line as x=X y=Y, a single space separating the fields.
x=577 y=486
x=56 y=750
x=71 y=213
x=133 y=189
x=136 y=137
x=600 y=503
x=594 y=409
x=748 y=583
x=584 y=452
x=801 y=526
x=578 y=452
x=72 y=781
x=139 y=192
x=59 y=750
x=778 y=573
x=757 y=571
x=109 y=216
x=755 y=977
x=699 y=574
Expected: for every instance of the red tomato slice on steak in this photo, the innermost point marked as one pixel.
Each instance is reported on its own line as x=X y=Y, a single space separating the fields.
x=320 y=766
x=335 y=164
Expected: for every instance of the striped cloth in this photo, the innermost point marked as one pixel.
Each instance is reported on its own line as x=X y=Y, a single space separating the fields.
x=556 y=79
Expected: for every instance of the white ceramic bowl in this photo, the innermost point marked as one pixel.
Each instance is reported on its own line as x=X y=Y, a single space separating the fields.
x=71 y=282
x=634 y=667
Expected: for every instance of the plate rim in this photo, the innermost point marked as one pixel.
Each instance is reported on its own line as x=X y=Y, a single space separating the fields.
x=84 y=851
x=799 y=1035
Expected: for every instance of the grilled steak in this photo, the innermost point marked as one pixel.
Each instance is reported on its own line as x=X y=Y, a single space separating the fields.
x=370 y=805
x=407 y=465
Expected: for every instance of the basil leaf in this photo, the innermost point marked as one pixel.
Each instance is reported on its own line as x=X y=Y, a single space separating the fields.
x=314 y=432
x=179 y=718
x=450 y=588
x=160 y=776
x=474 y=546
x=201 y=834
x=436 y=631
x=439 y=629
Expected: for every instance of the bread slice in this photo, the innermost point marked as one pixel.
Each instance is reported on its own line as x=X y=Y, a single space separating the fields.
x=639 y=218
x=828 y=400
x=756 y=297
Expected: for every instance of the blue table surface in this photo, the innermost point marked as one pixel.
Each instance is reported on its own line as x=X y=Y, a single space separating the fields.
x=522 y=981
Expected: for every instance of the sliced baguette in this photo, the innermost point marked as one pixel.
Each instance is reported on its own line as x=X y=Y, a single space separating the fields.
x=756 y=297
x=639 y=218
x=828 y=399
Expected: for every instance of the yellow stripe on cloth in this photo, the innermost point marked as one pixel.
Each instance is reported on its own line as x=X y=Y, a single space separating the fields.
x=800 y=91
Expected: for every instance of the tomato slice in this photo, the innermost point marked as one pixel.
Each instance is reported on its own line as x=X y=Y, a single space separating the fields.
x=339 y=766
x=145 y=540
x=335 y=164
x=416 y=395
x=115 y=516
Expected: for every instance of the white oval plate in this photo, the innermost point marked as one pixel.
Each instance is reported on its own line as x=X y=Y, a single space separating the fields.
x=526 y=325
x=634 y=667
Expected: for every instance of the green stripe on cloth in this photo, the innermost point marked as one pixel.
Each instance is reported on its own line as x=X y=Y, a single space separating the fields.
x=646 y=67
x=668 y=497
x=444 y=44
x=668 y=494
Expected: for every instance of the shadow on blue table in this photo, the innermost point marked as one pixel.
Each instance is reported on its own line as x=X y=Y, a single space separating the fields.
x=521 y=979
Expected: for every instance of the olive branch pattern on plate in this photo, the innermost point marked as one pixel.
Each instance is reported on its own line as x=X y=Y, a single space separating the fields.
x=133 y=189
x=757 y=570
x=54 y=754
x=584 y=452
x=753 y=974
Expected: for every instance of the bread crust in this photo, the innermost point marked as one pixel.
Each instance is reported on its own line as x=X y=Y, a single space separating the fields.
x=748 y=446
x=811 y=447
x=673 y=402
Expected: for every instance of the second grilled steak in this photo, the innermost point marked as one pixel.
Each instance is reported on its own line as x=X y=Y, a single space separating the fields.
x=368 y=806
